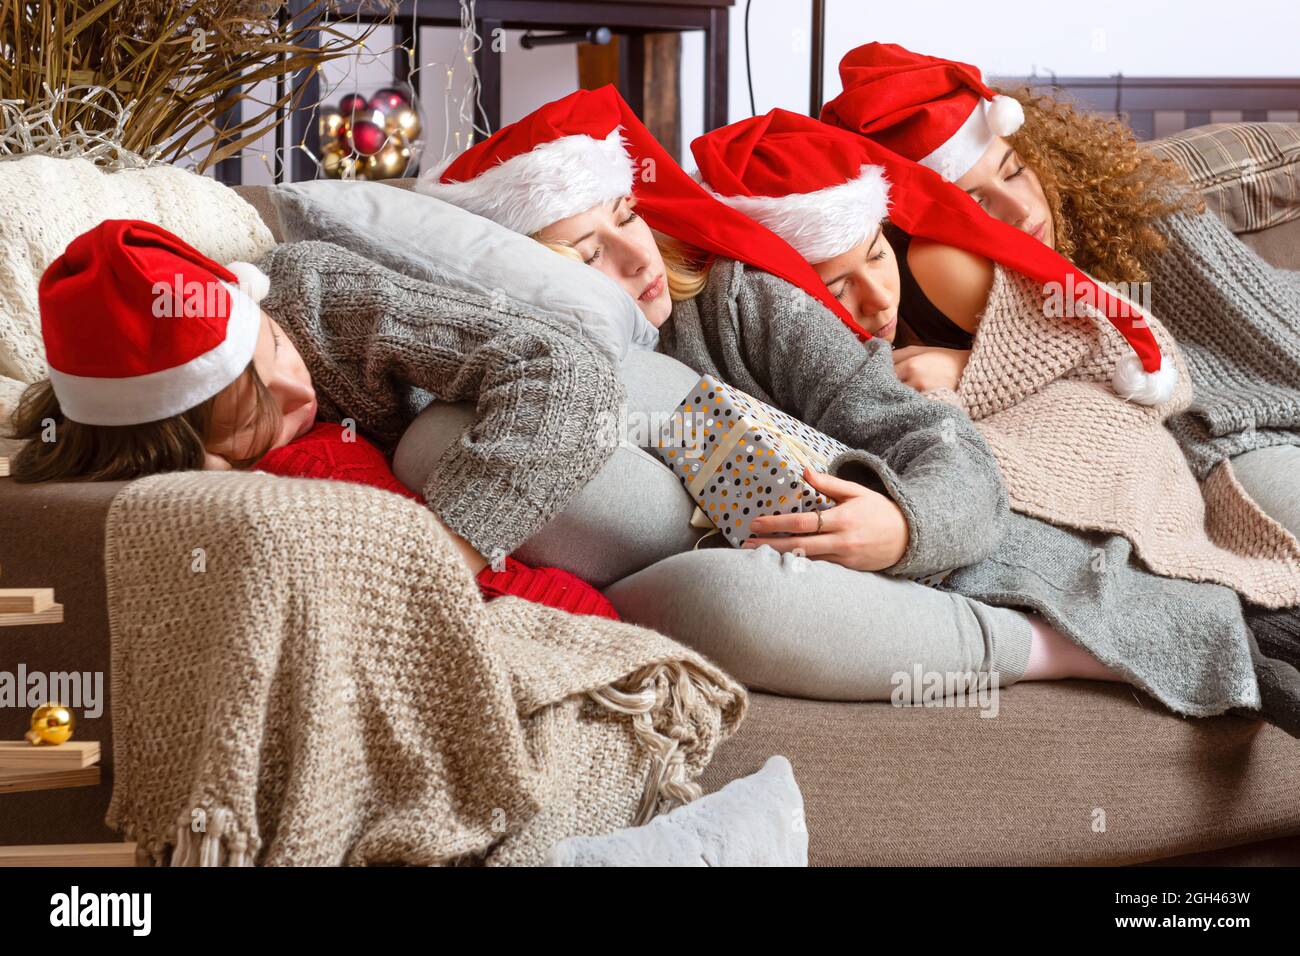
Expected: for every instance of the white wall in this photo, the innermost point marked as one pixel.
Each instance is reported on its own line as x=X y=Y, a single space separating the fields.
x=1005 y=37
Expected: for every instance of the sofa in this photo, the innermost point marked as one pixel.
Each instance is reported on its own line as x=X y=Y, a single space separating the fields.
x=1069 y=772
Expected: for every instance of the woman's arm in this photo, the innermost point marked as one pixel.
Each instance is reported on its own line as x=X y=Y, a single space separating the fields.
x=957 y=283
x=923 y=454
x=379 y=344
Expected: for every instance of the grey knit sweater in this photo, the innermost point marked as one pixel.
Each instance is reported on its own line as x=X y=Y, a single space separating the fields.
x=1185 y=643
x=775 y=342
x=1237 y=320
x=379 y=345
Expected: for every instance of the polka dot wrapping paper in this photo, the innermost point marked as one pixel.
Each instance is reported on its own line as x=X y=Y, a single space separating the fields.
x=741 y=458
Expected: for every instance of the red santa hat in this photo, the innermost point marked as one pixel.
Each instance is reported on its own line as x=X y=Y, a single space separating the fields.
x=140 y=326
x=758 y=160
x=939 y=113
x=589 y=148
x=821 y=201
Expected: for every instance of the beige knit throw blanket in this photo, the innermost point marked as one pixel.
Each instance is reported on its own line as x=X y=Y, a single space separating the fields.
x=1077 y=455
x=304 y=673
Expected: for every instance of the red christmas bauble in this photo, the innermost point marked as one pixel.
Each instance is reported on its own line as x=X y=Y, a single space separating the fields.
x=354 y=103
x=389 y=98
x=367 y=138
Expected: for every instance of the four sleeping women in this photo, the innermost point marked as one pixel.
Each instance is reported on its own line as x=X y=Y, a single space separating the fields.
x=936 y=274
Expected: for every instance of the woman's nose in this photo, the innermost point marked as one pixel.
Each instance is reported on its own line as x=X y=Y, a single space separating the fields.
x=1014 y=211
x=632 y=256
x=293 y=393
x=875 y=296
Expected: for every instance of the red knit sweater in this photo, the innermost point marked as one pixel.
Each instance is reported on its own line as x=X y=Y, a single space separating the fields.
x=322 y=453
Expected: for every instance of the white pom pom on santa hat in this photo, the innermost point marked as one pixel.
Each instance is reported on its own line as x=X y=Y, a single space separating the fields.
x=253 y=282
x=1005 y=115
x=1137 y=385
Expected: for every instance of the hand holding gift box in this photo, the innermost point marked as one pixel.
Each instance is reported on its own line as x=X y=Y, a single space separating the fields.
x=744 y=462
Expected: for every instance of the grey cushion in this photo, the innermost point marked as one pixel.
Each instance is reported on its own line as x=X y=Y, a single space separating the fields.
x=429 y=239
x=632 y=513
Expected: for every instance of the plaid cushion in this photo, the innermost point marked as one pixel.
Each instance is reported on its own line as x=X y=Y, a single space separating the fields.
x=1249 y=173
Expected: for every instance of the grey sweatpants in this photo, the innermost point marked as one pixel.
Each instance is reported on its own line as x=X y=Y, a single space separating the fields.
x=789 y=625
x=805 y=628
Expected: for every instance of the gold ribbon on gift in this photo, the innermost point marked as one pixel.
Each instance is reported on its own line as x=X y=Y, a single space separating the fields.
x=736 y=434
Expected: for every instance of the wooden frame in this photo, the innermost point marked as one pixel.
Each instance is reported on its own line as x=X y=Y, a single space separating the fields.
x=1137 y=99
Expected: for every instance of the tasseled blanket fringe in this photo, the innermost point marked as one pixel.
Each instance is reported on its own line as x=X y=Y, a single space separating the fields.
x=641 y=696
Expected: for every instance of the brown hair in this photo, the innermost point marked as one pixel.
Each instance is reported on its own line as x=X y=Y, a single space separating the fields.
x=59 y=449
x=1103 y=187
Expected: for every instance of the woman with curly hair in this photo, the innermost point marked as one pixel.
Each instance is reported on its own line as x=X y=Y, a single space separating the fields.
x=1082 y=184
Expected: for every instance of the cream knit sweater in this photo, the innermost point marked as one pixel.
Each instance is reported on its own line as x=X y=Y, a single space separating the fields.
x=1075 y=454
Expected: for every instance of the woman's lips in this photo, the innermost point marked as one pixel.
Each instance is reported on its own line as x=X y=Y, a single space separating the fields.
x=652 y=290
x=1039 y=231
x=886 y=329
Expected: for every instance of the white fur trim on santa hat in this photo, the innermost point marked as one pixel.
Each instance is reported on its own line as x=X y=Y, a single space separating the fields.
x=1005 y=115
x=159 y=395
x=252 y=281
x=826 y=223
x=954 y=159
x=1141 y=387
x=548 y=183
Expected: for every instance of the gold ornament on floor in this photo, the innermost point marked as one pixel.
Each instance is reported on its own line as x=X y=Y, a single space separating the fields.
x=51 y=724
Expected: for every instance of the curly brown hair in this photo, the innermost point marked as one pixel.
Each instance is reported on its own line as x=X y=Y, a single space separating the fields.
x=1103 y=187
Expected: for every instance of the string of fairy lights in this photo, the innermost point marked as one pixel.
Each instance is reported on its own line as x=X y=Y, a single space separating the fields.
x=379 y=136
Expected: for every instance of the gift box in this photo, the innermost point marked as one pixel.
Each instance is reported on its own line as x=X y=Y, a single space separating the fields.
x=741 y=458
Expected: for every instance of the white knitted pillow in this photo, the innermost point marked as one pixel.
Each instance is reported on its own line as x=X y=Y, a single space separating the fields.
x=50 y=201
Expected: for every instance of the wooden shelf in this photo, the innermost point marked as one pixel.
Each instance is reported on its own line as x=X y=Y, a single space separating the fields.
x=74 y=755
x=51 y=615
x=69 y=854
x=25 y=600
x=21 y=781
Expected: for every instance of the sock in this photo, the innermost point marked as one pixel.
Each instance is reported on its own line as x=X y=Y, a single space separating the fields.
x=1274 y=637
x=1277 y=631
x=1053 y=656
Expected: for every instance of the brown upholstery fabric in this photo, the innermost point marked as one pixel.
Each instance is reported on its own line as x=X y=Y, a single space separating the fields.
x=53 y=536
x=884 y=785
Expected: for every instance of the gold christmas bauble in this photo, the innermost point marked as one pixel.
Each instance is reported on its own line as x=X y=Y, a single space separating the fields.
x=331 y=160
x=403 y=122
x=392 y=161
x=51 y=724
x=331 y=124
